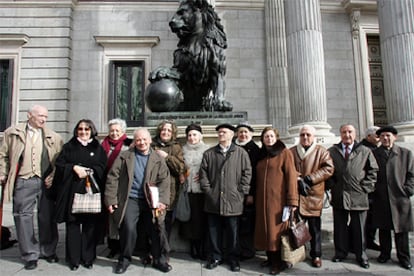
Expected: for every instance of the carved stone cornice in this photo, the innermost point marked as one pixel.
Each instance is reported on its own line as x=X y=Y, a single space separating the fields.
x=362 y=5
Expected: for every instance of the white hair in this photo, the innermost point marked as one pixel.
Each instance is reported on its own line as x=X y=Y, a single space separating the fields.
x=311 y=129
x=118 y=121
x=371 y=130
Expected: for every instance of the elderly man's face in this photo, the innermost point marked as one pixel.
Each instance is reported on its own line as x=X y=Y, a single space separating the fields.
x=348 y=134
x=225 y=135
x=142 y=141
x=387 y=139
x=306 y=137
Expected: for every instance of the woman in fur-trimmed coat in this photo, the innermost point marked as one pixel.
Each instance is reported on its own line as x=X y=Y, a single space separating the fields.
x=276 y=188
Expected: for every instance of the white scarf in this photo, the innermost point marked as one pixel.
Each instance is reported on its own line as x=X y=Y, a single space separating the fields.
x=302 y=152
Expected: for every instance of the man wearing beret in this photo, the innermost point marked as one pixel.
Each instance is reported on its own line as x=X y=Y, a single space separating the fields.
x=225 y=175
x=392 y=205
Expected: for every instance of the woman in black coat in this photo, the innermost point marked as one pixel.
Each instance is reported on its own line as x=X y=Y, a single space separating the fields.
x=79 y=157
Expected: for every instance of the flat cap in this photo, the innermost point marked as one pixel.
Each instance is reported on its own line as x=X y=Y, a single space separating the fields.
x=229 y=126
x=193 y=127
x=391 y=129
x=246 y=126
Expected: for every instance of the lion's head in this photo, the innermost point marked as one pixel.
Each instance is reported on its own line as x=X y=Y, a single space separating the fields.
x=195 y=18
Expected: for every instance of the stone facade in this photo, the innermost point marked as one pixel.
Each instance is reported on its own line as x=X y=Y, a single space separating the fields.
x=62 y=50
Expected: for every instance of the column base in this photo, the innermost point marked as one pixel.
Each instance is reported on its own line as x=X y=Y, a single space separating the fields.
x=405 y=132
x=323 y=133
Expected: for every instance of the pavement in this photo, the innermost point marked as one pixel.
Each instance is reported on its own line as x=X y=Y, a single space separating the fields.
x=182 y=264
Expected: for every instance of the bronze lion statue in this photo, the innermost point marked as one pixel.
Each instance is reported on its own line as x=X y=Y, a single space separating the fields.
x=199 y=60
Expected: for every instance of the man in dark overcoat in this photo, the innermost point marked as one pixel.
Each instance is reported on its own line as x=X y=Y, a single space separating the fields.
x=354 y=178
x=392 y=204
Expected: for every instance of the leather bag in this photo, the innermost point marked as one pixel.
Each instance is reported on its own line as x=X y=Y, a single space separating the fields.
x=298 y=230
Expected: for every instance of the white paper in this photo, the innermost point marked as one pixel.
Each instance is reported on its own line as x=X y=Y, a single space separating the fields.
x=155 y=196
x=286 y=213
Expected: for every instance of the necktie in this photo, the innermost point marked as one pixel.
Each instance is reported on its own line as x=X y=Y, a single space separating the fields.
x=34 y=135
x=346 y=152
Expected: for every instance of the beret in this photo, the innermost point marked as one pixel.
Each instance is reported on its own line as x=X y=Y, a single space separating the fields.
x=193 y=127
x=246 y=126
x=391 y=129
x=229 y=126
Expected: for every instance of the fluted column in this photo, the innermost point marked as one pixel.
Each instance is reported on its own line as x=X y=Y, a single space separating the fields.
x=277 y=81
x=396 y=24
x=306 y=66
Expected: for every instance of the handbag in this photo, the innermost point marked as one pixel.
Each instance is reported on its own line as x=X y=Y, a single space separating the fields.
x=89 y=202
x=182 y=209
x=288 y=253
x=299 y=231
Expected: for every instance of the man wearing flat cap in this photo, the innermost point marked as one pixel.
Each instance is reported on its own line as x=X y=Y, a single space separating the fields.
x=225 y=175
x=244 y=135
x=392 y=205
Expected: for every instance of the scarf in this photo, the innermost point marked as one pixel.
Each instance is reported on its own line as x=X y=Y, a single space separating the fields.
x=109 y=143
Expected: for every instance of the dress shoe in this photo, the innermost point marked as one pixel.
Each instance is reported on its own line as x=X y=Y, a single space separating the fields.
x=382 y=259
x=29 y=265
x=212 y=264
x=51 y=259
x=146 y=260
x=121 y=267
x=317 y=262
x=73 y=267
x=274 y=270
x=363 y=264
x=163 y=267
x=337 y=259
x=235 y=266
x=88 y=265
x=373 y=246
x=406 y=265
x=111 y=254
x=265 y=263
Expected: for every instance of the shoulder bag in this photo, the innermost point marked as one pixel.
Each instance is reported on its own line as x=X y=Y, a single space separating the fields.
x=182 y=209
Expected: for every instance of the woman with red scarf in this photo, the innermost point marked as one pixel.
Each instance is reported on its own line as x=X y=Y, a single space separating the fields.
x=113 y=144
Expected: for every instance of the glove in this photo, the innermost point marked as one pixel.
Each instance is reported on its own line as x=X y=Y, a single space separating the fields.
x=308 y=180
x=303 y=187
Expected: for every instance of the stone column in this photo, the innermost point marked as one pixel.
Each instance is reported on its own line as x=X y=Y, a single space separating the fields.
x=306 y=66
x=396 y=24
x=277 y=82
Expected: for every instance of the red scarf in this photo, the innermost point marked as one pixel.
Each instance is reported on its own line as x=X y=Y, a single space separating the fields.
x=117 y=144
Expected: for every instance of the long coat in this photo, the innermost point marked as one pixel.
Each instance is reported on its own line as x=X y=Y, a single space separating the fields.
x=12 y=148
x=395 y=185
x=67 y=182
x=121 y=176
x=317 y=163
x=175 y=163
x=225 y=180
x=353 y=179
x=276 y=187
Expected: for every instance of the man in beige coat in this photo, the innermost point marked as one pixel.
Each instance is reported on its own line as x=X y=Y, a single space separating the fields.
x=314 y=165
x=27 y=157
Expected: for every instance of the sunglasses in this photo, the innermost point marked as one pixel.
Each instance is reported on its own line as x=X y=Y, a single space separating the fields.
x=84 y=128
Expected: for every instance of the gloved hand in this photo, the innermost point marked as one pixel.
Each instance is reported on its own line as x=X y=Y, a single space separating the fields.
x=303 y=187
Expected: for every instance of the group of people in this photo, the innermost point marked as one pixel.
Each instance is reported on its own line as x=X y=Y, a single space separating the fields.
x=237 y=190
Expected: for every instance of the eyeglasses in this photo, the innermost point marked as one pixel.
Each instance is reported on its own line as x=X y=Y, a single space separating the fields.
x=84 y=128
x=305 y=134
